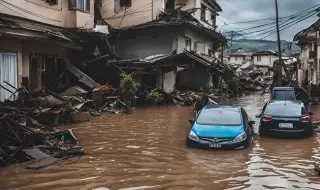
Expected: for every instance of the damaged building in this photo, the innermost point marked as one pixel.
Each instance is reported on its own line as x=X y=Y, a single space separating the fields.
x=173 y=48
x=38 y=38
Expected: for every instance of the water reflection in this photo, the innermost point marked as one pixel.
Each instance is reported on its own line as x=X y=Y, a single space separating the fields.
x=146 y=150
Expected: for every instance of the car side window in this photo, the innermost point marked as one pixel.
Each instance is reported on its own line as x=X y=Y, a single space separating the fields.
x=245 y=116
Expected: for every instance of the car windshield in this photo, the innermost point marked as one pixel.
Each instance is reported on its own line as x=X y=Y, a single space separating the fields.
x=219 y=116
x=284 y=95
x=287 y=110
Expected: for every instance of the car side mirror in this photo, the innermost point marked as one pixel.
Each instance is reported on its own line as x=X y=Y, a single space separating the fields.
x=191 y=121
x=310 y=113
x=258 y=116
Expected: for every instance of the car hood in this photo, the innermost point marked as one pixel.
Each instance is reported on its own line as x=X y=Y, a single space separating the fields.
x=219 y=131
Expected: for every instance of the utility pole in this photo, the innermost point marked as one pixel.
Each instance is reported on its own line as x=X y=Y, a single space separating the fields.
x=318 y=57
x=231 y=38
x=278 y=68
x=152 y=9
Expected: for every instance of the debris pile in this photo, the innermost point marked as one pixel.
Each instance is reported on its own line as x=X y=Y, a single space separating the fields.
x=24 y=139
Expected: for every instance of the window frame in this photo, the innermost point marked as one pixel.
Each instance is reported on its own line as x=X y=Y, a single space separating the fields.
x=259 y=58
x=129 y=3
x=203 y=13
x=75 y=7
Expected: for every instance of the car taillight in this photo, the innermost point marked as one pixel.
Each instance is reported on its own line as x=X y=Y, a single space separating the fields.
x=305 y=119
x=266 y=118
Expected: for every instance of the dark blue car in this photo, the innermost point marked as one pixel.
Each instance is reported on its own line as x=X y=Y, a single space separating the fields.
x=285 y=118
x=221 y=127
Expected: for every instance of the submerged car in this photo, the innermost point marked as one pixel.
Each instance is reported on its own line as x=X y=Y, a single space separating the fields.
x=291 y=93
x=221 y=127
x=285 y=118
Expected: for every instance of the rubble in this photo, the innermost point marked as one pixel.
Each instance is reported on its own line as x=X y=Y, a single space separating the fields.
x=24 y=139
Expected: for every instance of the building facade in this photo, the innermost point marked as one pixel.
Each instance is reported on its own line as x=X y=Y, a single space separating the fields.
x=32 y=39
x=127 y=13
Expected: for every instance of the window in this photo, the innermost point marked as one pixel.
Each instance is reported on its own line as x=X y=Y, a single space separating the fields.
x=203 y=12
x=169 y=5
x=81 y=5
x=188 y=44
x=219 y=116
x=213 y=19
x=52 y=2
x=285 y=109
x=259 y=58
x=125 y=3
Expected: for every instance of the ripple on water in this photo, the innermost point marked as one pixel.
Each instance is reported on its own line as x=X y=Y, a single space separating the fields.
x=146 y=150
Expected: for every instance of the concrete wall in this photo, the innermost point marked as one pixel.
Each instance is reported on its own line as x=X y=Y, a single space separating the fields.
x=160 y=41
x=57 y=15
x=202 y=40
x=142 y=11
x=169 y=81
x=147 y=42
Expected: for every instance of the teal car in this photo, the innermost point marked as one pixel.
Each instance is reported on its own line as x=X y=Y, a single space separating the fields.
x=221 y=127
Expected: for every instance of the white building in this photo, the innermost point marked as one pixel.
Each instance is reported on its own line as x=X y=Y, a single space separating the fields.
x=240 y=57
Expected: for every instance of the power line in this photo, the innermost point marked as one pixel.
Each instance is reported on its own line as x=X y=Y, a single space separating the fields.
x=29 y=12
x=290 y=17
x=272 y=18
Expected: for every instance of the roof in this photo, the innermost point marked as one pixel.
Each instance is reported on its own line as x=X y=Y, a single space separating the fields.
x=303 y=34
x=215 y=4
x=285 y=102
x=224 y=106
x=241 y=54
x=161 y=59
x=177 y=17
x=283 y=88
x=269 y=52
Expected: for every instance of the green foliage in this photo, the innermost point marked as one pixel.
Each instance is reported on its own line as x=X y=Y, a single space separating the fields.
x=128 y=88
x=155 y=97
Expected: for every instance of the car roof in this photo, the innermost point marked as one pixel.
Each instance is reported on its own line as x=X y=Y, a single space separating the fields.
x=223 y=106
x=285 y=102
x=283 y=88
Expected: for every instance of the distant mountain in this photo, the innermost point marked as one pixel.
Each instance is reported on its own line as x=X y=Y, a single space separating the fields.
x=262 y=45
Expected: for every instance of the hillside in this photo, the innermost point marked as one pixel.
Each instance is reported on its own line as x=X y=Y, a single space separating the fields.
x=262 y=45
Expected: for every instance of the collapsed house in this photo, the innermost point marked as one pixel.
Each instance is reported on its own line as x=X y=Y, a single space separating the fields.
x=175 y=50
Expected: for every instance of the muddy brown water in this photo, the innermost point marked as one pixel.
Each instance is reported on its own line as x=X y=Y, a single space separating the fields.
x=146 y=150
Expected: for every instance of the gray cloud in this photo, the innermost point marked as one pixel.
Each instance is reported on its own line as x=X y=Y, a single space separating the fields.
x=235 y=11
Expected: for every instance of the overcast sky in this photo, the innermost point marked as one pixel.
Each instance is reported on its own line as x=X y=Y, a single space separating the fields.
x=243 y=10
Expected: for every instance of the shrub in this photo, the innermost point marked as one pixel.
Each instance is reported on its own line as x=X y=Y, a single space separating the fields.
x=155 y=97
x=128 y=88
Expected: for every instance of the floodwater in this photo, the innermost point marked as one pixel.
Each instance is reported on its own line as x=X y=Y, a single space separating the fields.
x=146 y=150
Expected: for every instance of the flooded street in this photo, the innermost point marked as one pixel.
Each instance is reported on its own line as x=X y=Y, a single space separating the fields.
x=146 y=150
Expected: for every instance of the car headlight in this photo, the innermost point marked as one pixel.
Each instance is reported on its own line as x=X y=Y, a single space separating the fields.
x=240 y=137
x=193 y=136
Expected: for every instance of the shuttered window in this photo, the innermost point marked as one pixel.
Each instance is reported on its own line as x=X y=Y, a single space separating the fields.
x=81 y=5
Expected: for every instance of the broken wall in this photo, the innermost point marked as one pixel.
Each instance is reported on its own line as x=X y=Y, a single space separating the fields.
x=193 y=78
x=147 y=42
x=24 y=50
